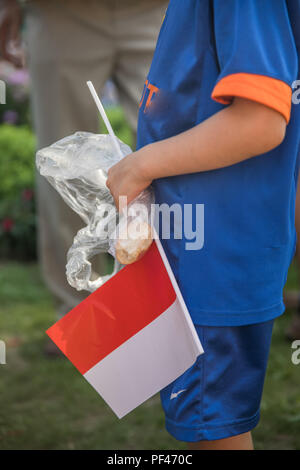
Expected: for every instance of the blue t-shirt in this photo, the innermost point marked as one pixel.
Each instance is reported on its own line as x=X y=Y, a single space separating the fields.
x=209 y=51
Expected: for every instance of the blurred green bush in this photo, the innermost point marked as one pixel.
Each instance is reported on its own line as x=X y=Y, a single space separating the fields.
x=17 y=148
x=17 y=206
x=17 y=168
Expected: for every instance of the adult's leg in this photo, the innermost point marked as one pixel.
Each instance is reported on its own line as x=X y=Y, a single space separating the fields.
x=137 y=25
x=67 y=44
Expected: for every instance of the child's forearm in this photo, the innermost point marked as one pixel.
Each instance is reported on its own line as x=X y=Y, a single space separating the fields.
x=240 y=131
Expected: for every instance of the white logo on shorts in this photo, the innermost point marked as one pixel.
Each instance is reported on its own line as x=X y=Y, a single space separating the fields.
x=175 y=395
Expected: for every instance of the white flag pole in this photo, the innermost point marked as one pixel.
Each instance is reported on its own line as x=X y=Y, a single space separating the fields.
x=114 y=139
x=105 y=118
x=156 y=238
x=178 y=293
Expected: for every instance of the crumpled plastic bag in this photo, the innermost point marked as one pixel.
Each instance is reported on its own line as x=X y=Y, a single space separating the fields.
x=77 y=166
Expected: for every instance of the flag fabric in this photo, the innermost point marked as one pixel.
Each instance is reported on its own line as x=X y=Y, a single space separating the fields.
x=132 y=336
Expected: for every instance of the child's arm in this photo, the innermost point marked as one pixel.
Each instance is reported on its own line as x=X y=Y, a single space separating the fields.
x=241 y=131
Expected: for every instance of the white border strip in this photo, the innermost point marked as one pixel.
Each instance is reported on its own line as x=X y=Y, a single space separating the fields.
x=178 y=293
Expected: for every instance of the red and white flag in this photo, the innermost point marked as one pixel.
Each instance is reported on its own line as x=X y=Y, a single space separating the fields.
x=133 y=336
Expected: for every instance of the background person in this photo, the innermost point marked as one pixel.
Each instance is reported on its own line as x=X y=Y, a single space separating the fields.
x=67 y=43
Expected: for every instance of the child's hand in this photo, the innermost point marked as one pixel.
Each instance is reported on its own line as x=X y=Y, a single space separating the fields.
x=126 y=178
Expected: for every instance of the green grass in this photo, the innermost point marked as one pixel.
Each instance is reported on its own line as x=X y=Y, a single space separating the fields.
x=46 y=404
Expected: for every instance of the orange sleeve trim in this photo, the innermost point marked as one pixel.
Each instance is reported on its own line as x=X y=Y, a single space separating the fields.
x=265 y=90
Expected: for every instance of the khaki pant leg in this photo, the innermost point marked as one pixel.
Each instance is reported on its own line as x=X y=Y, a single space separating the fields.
x=136 y=32
x=68 y=43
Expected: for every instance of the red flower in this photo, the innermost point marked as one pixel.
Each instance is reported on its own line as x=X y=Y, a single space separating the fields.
x=27 y=194
x=7 y=224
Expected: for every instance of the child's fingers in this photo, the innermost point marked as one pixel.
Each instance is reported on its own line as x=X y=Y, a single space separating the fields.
x=122 y=203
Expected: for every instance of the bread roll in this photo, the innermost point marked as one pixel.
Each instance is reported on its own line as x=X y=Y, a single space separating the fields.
x=133 y=242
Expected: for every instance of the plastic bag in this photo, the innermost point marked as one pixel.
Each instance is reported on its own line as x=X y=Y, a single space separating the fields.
x=77 y=168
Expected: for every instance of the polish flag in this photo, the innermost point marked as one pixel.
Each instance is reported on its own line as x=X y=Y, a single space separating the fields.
x=133 y=336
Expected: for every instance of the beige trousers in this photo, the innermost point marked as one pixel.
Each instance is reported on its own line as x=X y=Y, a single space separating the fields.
x=69 y=42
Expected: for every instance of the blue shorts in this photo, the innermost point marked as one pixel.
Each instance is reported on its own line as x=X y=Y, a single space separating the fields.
x=220 y=395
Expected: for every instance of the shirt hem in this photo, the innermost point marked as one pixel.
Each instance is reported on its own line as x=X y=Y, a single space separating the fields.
x=210 y=432
x=210 y=318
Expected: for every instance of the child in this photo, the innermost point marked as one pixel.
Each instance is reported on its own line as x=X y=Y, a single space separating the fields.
x=216 y=127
